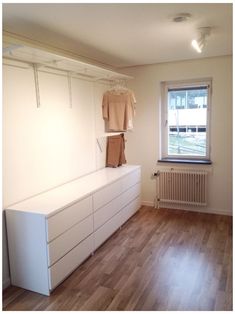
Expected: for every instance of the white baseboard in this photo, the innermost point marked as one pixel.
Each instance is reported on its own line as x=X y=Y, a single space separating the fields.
x=147 y=203
x=6 y=283
x=219 y=212
x=194 y=209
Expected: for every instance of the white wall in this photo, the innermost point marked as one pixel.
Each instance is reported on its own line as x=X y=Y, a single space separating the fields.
x=39 y=141
x=144 y=142
x=51 y=145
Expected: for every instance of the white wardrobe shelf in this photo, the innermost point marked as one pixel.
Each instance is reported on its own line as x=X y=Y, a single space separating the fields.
x=19 y=51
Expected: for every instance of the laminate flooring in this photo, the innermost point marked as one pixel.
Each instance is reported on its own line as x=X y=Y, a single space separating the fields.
x=159 y=260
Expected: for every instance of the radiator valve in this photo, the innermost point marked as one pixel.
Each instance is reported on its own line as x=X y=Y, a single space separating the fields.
x=156 y=174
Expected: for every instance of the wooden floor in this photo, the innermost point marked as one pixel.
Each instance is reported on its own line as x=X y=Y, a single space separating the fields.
x=159 y=260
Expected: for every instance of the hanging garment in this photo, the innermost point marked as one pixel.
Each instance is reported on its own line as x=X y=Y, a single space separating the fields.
x=115 y=151
x=118 y=110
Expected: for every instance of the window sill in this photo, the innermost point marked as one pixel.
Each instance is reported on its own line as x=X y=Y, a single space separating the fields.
x=186 y=161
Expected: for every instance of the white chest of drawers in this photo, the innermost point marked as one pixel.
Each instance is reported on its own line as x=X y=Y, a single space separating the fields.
x=51 y=234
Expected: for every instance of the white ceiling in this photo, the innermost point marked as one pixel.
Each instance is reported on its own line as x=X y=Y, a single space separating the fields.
x=123 y=34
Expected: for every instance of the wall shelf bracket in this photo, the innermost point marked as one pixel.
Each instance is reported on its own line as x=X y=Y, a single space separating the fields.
x=36 y=81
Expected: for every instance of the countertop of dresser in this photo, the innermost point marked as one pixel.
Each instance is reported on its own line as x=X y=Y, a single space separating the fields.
x=49 y=202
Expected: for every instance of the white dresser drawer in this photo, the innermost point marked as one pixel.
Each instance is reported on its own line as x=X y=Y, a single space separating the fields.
x=131 y=179
x=68 y=240
x=130 y=209
x=130 y=194
x=107 y=229
x=106 y=194
x=68 y=217
x=60 y=270
x=106 y=212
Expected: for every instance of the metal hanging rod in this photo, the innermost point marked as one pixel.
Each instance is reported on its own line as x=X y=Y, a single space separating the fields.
x=15 y=66
x=84 y=72
x=49 y=70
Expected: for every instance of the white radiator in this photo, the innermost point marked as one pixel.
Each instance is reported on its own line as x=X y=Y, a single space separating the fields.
x=182 y=187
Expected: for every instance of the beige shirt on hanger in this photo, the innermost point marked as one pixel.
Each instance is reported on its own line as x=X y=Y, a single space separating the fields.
x=118 y=109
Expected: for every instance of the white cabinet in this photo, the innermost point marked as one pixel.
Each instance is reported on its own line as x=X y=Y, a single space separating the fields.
x=27 y=251
x=65 y=219
x=106 y=212
x=51 y=234
x=68 y=240
x=106 y=194
x=60 y=270
x=107 y=230
x=131 y=179
x=130 y=194
x=115 y=222
x=112 y=208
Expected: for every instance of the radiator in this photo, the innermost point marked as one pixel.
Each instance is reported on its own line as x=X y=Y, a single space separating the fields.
x=182 y=187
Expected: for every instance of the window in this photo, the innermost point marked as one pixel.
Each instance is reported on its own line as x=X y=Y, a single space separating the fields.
x=185 y=120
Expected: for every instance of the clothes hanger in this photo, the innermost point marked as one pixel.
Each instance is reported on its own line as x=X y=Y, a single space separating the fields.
x=119 y=86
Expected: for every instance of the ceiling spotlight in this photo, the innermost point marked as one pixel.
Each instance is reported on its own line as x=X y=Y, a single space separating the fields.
x=199 y=43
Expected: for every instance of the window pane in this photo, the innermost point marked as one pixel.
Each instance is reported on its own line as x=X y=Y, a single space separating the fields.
x=187 y=119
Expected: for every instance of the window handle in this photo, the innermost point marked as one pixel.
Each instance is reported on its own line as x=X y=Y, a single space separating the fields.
x=166 y=122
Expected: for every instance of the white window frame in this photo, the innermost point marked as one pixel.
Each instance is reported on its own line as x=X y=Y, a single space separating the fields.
x=165 y=86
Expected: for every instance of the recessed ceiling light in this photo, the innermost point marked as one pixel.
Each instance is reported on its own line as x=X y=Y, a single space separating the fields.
x=181 y=17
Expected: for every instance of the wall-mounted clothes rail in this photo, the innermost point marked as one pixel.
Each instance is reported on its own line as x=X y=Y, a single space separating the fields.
x=39 y=68
x=47 y=60
x=16 y=66
x=47 y=69
x=18 y=54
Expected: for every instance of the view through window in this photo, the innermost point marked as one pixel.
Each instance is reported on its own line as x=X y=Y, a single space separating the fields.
x=187 y=121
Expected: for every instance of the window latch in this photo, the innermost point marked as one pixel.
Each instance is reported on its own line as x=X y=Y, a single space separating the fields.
x=166 y=122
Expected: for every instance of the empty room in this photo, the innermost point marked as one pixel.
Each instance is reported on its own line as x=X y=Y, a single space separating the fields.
x=117 y=156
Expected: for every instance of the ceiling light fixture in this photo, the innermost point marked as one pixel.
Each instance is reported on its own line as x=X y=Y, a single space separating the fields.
x=199 y=43
x=181 y=17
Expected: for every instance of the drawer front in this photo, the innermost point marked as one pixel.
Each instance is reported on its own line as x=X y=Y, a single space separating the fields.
x=104 y=232
x=106 y=212
x=112 y=208
x=59 y=271
x=131 y=179
x=68 y=240
x=130 y=194
x=107 y=229
x=68 y=217
x=130 y=209
x=106 y=194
